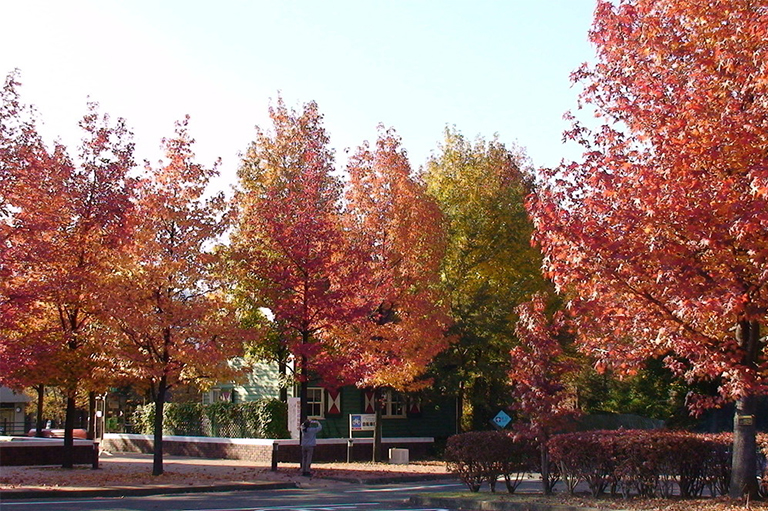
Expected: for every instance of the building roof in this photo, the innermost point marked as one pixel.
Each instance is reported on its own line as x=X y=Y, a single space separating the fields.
x=10 y=396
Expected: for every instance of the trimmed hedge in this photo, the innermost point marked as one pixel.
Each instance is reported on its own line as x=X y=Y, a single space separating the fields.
x=644 y=462
x=648 y=462
x=484 y=456
x=266 y=418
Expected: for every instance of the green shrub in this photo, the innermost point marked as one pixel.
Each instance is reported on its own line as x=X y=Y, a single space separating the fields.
x=143 y=419
x=267 y=418
x=183 y=419
x=112 y=425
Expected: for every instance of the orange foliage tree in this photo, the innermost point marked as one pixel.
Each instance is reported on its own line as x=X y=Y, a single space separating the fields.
x=399 y=228
x=65 y=224
x=660 y=234
x=290 y=252
x=173 y=321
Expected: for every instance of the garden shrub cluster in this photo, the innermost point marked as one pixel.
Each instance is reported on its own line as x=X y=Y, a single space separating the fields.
x=266 y=418
x=483 y=456
x=643 y=462
x=646 y=462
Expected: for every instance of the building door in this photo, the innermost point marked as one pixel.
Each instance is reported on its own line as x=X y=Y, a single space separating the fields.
x=6 y=421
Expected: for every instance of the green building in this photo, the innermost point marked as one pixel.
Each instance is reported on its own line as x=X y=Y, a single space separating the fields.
x=403 y=415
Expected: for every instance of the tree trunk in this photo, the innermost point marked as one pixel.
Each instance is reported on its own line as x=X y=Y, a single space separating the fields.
x=157 y=461
x=303 y=379
x=283 y=369
x=546 y=487
x=744 y=461
x=68 y=460
x=40 y=419
x=460 y=408
x=376 y=458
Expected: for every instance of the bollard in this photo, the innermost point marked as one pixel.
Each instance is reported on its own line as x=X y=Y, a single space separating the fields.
x=95 y=459
x=275 y=447
x=350 y=443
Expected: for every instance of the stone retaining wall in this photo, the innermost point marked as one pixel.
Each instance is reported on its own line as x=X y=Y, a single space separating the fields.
x=27 y=451
x=261 y=450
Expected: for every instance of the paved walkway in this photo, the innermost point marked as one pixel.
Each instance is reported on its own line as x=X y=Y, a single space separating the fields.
x=131 y=474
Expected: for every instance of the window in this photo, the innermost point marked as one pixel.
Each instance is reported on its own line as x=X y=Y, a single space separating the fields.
x=394 y=404
x=217 y=395
x=315 y=402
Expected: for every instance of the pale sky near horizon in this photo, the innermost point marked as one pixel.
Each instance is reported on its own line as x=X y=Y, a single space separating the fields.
x=484 y=66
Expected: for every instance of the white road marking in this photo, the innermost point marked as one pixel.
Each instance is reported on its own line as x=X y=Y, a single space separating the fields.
x=401 y=488
x=298 y=507
x=43 y=502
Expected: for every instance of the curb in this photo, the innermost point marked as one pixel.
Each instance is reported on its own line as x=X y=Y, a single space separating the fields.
x=391 y=480
x=492 y=505
x=138 y=491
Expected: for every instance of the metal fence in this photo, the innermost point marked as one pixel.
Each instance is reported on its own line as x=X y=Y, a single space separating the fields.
x=10 y=428
x=233 y=427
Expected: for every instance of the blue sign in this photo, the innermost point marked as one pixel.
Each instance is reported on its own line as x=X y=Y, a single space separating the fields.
x=501 y=420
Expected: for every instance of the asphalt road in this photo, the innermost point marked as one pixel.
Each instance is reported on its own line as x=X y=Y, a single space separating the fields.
x=341 y=497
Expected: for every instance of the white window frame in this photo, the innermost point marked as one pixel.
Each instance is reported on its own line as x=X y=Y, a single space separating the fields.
x=389 y=404
x=312 y=403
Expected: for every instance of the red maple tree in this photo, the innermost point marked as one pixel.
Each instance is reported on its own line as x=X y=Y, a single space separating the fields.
x=65 y=222
x=660 y=234
x=292 y=253
x=398 y=227
x=538 y=371
x=174 y=323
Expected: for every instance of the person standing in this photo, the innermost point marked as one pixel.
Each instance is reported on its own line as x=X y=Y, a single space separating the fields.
x=309 y=431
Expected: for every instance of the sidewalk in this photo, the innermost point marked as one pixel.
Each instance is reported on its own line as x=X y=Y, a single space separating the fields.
x=123 y=474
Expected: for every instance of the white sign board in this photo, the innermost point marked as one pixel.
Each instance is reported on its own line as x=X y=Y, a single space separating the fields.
x=294 y=416
x=362 y=422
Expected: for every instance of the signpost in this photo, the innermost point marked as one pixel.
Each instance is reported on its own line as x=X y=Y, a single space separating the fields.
x=501 y=420
x=359 y=422
x=294 y=416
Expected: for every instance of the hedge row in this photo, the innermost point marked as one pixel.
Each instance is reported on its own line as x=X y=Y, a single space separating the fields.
x=646 y=462
x=267 y=418
x=484 y=456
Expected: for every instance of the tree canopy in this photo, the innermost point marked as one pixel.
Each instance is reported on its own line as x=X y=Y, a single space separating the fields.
x=173 y=320
x=659 y=234
x=399 y=229
x=293 y=256
x=489 y=265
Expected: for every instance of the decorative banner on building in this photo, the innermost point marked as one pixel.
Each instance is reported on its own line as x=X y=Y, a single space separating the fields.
x=333 y=403
x=369 y=406
x=414 y=407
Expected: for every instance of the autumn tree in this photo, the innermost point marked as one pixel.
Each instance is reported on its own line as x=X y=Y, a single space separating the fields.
x=23 y=187
x=538 y=373
x=399 y=228
x=489 y=266
x=174 y=323
x=289 y=248
x=65 y=221
x=659 y=234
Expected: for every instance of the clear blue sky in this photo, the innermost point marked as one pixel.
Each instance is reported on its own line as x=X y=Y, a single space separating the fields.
x=485 y=66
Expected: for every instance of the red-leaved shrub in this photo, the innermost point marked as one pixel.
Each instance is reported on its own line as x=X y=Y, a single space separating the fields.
x=484 y=456
x=646 y=462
